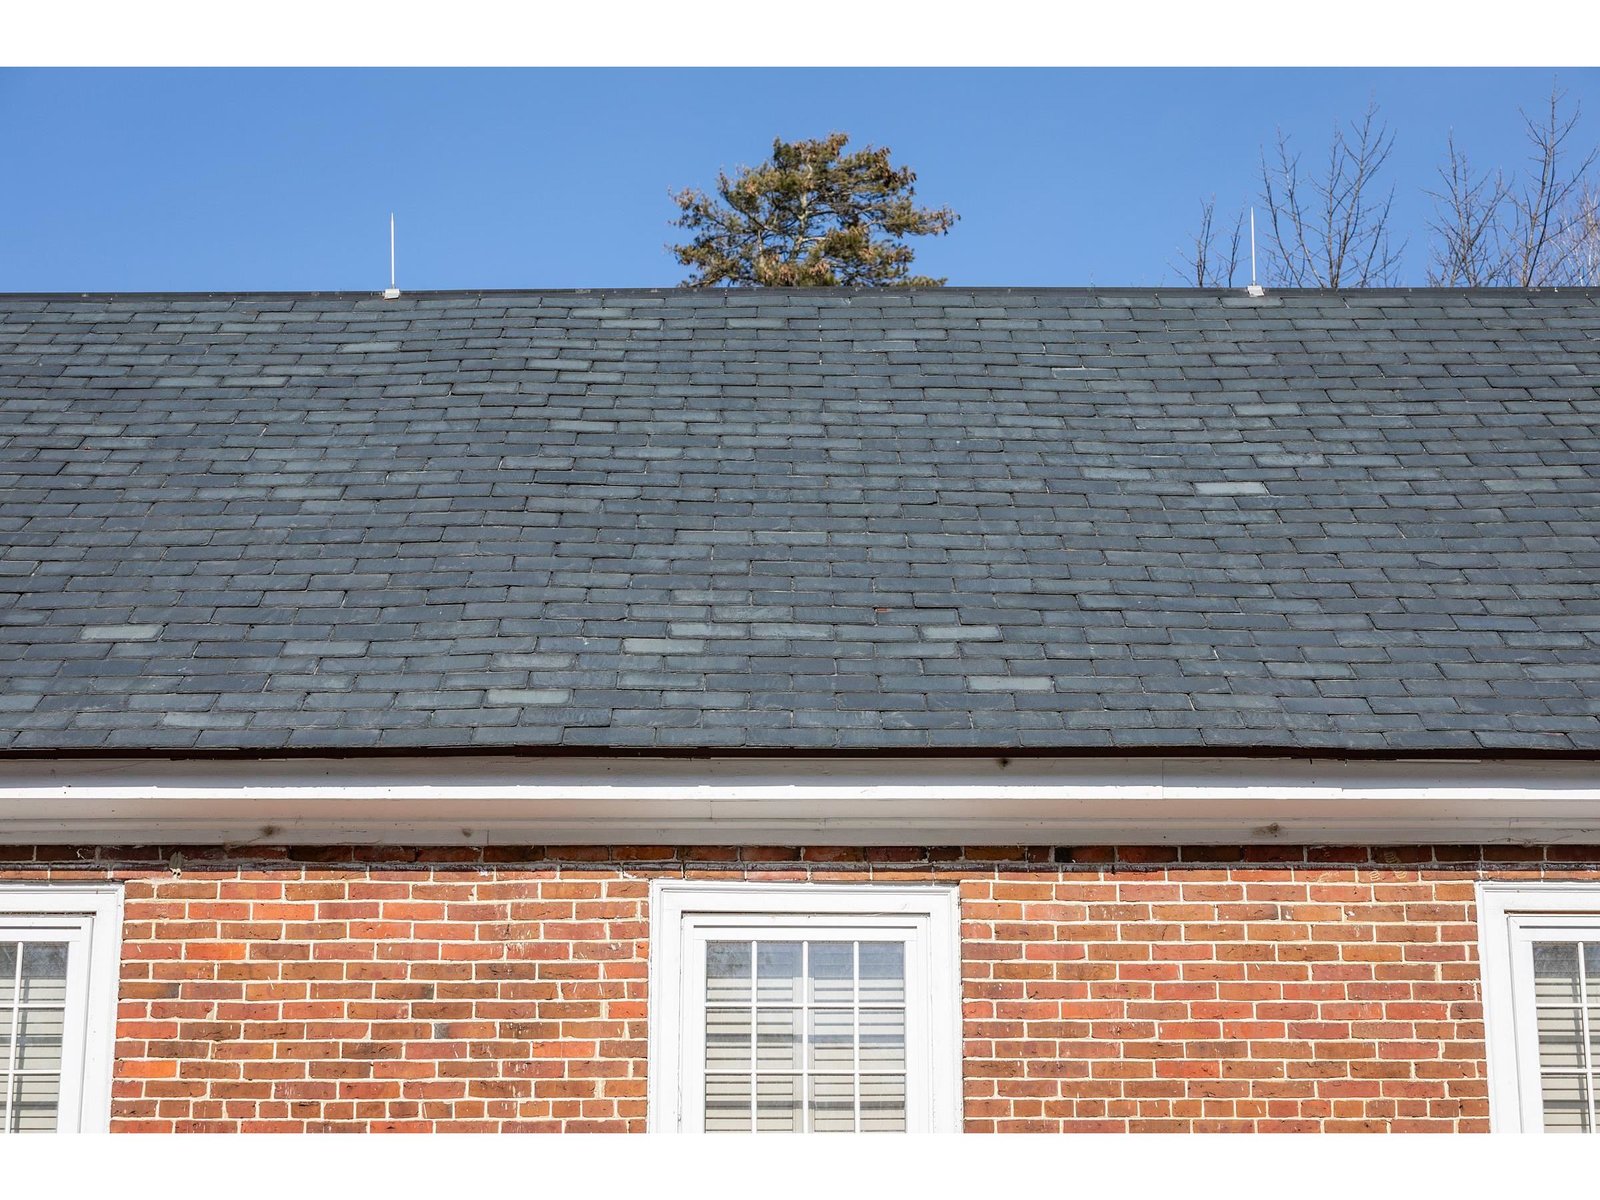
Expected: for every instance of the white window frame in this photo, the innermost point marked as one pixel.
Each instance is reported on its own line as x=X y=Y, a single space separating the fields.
x=89 y=917
x=681 y=911
x=1510 y=918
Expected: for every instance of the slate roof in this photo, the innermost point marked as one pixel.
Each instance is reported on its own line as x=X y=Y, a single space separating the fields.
x=946 y=518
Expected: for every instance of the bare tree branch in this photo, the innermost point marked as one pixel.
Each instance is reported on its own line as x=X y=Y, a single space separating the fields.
x=1469 y=249
x=1210 y=263
x=1331 y=229
x=1544 y=208
x=1330 y=226
x=1583 y=234
x=1498 y=232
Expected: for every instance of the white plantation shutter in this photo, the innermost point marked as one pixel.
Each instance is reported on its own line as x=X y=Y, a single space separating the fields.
x=1566 y=1005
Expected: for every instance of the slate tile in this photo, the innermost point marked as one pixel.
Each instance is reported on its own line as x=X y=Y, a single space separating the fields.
x=809 y=529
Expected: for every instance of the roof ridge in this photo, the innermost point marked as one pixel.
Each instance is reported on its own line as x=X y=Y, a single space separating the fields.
x=959 y=289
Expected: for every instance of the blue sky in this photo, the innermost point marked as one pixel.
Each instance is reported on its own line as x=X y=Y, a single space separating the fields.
x=283 y=179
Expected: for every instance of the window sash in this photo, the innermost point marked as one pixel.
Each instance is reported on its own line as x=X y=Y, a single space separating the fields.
x=87 y=916
x=1525 y=932
x=74 y=932
x=911 y=935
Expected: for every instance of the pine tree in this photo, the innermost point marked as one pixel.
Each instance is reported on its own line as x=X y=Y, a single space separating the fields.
x=813 y=216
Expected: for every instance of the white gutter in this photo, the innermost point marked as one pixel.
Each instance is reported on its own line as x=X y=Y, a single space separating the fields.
x=845 y=800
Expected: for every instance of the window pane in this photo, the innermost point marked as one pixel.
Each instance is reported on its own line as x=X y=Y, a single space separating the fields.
x=728 y=973
x=833 y=1104
x=832 y=1039
x=44 y=973
x=778 y=972
x=1566 y=1104
x=1560 y=1038
x=1591 y=965
x=883 y=973
x=883 y=1104
x=33 y=1104
x=728 y=1104
x=8 y=972
x=778 y=1039
x=883 y=1039
x=728 y=1039
x=778 y=1104
x=1555 y=972
x=39 y=1040
x=832 y=973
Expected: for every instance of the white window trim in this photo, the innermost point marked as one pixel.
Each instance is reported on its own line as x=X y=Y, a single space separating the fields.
x=674 y=901
x=1511 y=1043
x=96 y=909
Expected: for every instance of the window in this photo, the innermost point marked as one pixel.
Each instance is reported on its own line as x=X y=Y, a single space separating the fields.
x=58 y=997
x=804 y=1008
x=1540 y=948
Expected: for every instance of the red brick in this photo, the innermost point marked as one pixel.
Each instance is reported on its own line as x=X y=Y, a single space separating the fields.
x=1136 y=988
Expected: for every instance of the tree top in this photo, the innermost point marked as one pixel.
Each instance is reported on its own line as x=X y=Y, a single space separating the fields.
x=811 y=216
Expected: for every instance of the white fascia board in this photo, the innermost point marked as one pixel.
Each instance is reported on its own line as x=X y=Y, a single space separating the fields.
x=839 y=800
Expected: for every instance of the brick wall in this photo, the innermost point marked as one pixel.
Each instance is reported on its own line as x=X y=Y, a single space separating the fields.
x=1104 y=989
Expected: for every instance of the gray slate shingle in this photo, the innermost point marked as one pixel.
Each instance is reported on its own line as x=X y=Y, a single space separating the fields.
x=947 y=518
